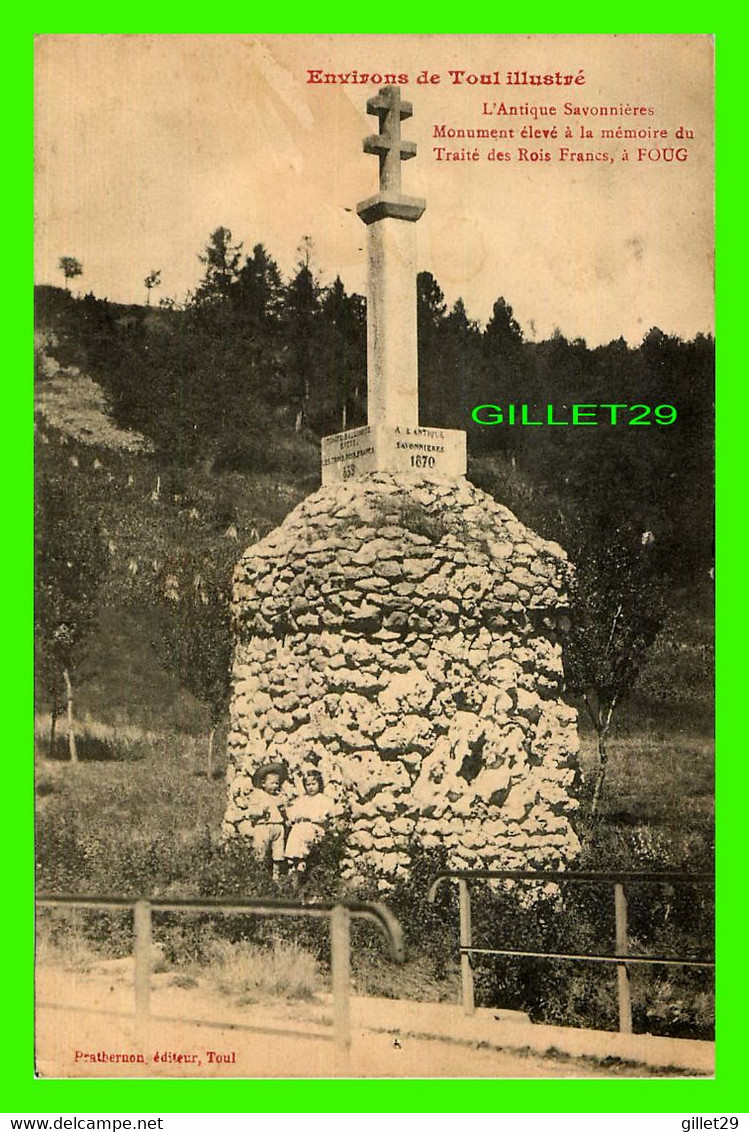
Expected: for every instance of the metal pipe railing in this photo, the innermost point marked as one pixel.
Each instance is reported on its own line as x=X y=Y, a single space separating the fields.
x=621 y=956
x=339 y=914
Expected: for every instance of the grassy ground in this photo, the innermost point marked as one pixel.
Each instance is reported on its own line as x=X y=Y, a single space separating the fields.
x=157 y=787
x=659 y=793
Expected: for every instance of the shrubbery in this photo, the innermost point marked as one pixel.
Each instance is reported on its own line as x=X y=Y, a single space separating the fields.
x=663 y=920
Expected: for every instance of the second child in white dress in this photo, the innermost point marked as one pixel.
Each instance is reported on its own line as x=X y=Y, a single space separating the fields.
x=308 y=816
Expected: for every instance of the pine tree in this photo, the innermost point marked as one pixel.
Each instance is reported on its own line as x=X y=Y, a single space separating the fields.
x=302 y=326
x=221 y=259
x=258 y=295
x=343 y=320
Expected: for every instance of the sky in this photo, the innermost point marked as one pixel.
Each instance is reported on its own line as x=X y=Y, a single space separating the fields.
x=146 y=144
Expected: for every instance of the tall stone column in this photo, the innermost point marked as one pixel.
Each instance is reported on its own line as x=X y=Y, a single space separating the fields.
x=392 y=349
x=392 y=354
x=392 y=440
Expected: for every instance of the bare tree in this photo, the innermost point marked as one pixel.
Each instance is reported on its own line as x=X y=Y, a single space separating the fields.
x=70 y=562
x=617 y=610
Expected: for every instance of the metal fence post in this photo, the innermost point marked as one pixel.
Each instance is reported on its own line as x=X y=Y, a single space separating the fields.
x=622 y=971
x=340 y=966
x=466 y=940
x=142 y=923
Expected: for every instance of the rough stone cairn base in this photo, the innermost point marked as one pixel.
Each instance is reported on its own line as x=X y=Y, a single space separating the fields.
x=402 y=635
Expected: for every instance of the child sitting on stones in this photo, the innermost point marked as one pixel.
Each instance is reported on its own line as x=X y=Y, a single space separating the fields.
x=265 y=808
x=307 y=815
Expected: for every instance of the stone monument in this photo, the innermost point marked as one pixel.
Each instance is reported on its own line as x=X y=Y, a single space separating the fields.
x=399 y=630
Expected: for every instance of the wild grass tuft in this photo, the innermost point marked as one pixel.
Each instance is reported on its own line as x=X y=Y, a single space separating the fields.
x=284 y=970
x=95 y=741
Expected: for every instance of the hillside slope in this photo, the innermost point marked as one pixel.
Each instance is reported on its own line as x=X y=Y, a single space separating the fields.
x=156 y=512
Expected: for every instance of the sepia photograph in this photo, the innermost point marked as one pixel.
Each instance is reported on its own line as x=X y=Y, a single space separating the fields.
x=374 y=556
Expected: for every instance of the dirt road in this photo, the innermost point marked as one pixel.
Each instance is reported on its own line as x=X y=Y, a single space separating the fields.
x=85 y=1029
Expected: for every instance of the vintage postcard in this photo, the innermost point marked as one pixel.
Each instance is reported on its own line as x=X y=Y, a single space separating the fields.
x=374 y=533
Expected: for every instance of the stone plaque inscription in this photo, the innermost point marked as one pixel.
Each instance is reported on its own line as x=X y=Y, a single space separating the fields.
x=393 y=448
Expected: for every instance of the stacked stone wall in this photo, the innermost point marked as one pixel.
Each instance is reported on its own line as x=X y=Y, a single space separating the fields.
x=403 y=636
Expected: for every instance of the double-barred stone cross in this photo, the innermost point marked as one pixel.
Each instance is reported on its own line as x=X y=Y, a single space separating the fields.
x=392 y=440
x=391 y=150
